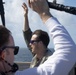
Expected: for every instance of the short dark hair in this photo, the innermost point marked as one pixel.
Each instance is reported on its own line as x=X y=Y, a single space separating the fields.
x=4 y=35
x=42 y=36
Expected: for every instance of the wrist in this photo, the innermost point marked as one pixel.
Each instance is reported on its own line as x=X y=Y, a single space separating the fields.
x=45 y=16
x=26 y=14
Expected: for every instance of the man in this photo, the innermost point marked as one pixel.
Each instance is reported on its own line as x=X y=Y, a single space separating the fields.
x=64 y=57
x=37 y=42
x=7 y=51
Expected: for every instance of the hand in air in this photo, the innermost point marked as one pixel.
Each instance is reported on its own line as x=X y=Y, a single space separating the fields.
x=25 y=9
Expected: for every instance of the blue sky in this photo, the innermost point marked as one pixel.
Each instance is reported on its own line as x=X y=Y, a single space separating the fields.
x=15 y=19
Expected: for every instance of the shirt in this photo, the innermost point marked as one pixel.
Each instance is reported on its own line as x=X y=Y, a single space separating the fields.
x=36 y=62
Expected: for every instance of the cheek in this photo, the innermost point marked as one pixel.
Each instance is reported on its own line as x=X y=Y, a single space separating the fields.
x=36 y=47
x=11 y=57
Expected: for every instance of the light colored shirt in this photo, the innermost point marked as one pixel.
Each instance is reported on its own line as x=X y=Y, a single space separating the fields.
x=64 y=57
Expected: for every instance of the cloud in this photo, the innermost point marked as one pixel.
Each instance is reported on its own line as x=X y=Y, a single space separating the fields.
x=15 y=18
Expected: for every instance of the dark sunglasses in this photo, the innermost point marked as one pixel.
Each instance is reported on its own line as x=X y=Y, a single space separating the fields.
x=32 y=41
x=16 y=48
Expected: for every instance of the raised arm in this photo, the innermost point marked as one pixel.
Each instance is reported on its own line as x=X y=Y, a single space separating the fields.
x=64 y=57
x=64 y=46
x=26 y=29
x=26 y=23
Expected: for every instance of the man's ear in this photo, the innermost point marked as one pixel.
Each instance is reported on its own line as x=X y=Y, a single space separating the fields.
x=41 y=43
x=3 y=55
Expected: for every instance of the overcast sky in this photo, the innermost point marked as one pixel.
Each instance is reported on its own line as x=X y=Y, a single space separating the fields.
x=15 y=17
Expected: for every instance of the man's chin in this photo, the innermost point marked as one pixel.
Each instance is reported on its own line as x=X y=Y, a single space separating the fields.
x=33 y=51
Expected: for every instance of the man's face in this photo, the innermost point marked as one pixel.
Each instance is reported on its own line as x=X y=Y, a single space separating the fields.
x=34 y=43
x=9 y=54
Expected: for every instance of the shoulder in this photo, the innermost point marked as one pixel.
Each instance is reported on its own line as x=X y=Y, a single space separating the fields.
x=27 y=31
x=49 y=52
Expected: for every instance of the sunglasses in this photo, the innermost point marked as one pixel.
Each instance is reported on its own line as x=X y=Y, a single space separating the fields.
x=32 y=41
x=16 y=48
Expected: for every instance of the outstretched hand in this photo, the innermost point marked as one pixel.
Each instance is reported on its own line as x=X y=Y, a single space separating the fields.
x=25 y=9
x=41 y=7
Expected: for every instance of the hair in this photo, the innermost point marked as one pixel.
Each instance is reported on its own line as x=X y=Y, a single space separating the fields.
x=4 y=35
x=42 y=36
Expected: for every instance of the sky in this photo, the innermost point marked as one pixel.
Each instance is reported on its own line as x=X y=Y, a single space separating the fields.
x=14 y=16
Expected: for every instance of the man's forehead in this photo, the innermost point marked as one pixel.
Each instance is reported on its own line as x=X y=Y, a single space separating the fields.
x=34 y=36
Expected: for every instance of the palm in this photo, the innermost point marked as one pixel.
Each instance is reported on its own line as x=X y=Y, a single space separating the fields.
x=25 y=8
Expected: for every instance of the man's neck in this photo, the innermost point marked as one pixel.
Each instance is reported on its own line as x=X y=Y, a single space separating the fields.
x=41 y=54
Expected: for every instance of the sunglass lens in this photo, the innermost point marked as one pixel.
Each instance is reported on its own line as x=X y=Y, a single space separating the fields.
x=16 y=50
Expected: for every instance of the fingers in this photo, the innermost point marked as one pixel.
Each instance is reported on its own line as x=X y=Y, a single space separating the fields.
x=37 y=5
x=25 y=8
x=32 y=3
